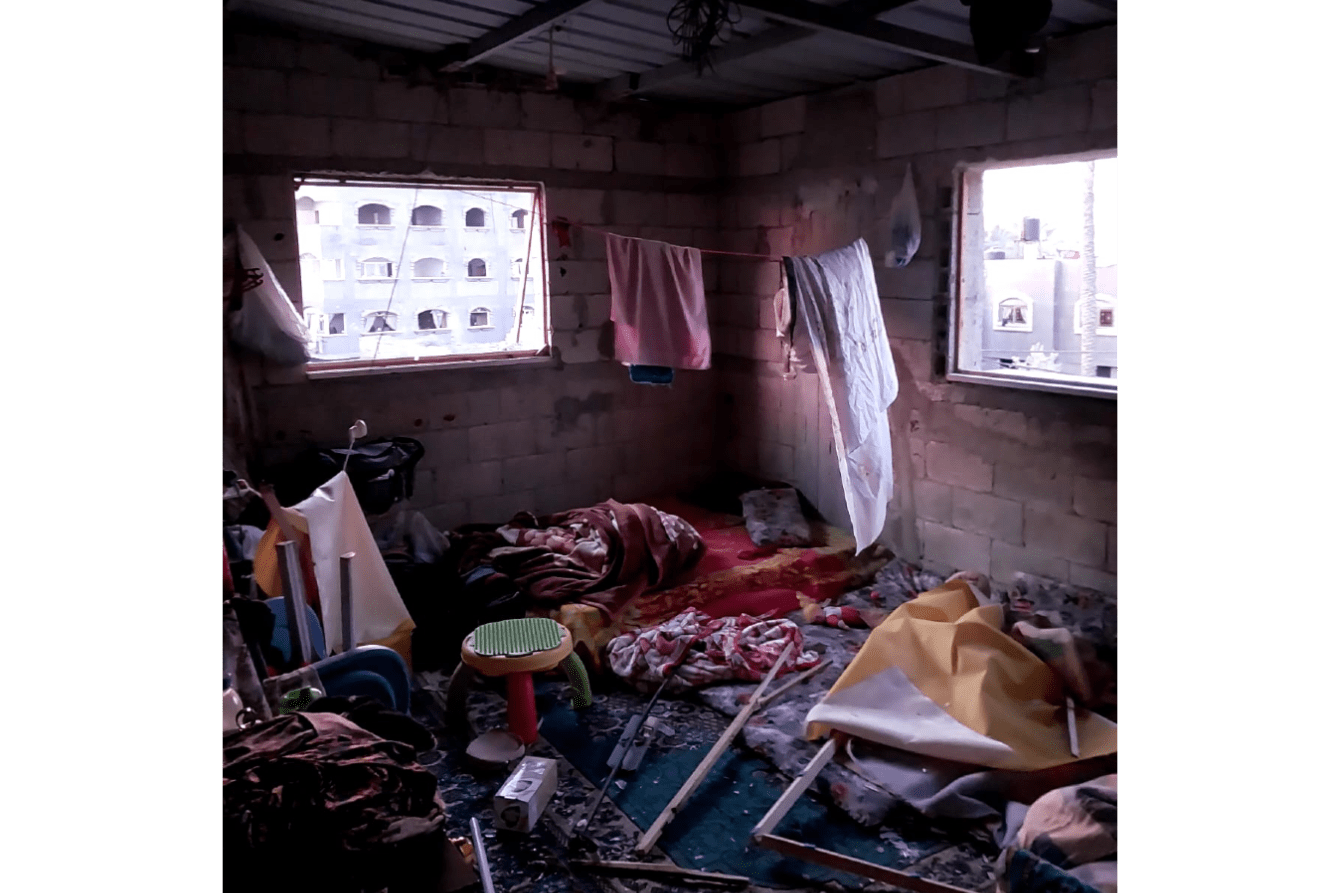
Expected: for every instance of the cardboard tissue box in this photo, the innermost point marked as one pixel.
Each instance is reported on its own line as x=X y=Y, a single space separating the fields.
x=521 y=800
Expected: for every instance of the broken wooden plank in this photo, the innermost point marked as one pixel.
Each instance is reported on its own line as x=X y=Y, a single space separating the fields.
x=797 y=787
x=693 y=781
x=859 y=867
x=808 y=674
x=662 y=870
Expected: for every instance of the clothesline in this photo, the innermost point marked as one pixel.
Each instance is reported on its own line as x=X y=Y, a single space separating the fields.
x=564 y=222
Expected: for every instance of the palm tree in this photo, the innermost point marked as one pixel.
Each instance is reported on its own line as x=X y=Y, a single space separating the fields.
x=1088 y=307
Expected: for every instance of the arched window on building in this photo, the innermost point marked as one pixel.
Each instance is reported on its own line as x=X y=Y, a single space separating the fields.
x=431 y=320
x=307 y=213
x=480 y=318
x=476 y=268
x=375 y=321
x=335 y=324
x=518 y=220
x=376 y=268
x=476 y=217
x=426 y=215
x=518 y=266
x=1107 y=315
x=429 y=268
x=374 y=215
x=1014 y=313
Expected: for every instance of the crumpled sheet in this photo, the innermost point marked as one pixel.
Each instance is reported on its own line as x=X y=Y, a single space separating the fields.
x=708 y=650
x=603 y=555
x=1073 y=829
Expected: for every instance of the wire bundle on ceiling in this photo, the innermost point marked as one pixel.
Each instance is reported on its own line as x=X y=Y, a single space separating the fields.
x=696 y=24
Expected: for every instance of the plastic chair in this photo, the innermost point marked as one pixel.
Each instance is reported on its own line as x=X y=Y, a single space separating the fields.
x=370 y=670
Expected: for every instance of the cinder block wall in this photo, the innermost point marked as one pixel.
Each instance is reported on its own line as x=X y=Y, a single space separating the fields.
x=501 y=439
x=989 y=478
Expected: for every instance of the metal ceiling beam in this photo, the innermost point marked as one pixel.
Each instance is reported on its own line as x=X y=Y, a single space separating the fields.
x=762 y=42
x=540 y=17
x=905 y=40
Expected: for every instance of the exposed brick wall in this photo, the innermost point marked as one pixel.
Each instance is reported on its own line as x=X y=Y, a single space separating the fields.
x=988 y=478
x=502 y=439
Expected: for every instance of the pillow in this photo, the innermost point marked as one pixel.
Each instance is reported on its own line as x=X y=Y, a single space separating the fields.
x=774 y=518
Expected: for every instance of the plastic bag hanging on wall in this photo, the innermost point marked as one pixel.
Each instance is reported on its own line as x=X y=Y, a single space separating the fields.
x=267 y=322
x=906 y=225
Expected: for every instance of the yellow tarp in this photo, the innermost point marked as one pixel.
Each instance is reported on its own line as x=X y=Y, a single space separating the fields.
x=955 y=653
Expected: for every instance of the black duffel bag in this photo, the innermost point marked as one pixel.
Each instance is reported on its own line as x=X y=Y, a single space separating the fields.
x=381 y=472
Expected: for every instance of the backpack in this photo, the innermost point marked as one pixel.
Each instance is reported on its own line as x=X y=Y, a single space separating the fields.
x=381 y=472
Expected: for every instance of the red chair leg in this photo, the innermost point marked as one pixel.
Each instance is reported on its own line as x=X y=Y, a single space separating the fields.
x=521 y=707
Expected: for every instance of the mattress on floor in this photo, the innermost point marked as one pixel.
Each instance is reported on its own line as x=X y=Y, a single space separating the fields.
x=723 y=576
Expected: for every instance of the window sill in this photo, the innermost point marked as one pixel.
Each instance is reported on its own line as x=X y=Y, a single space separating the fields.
x=428 y=229
x=375 y=226
x=376 y=279
x=1020 y=329
x=431 y=279
x=1054 y=383
x=315 y=372
x=478 y=278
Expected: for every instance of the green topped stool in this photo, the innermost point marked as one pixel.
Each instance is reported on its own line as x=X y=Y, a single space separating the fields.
x=518 y=648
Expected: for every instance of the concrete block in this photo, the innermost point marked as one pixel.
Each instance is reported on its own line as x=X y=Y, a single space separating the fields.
x=589 y=463
x=286 y=135
x=1103 y=96
x=637 y=208
x=355 y=138
x=995 y=422
x=782 y=117
x=532 y=472
x=557 y=437
x=910 y=319
x=579 y=347
x=791 y=145
x=398 y=101
x=1092 y=578
x=545 y=111
x=889 y=96
x=484 y=406
x=690 y=160
x=1000 y=519
x=1034 y=484
x=1110 y=564
x=583 y=153
x=1054 y=113
x=1096 y=499
x=475 y=107
x=907 y=134
x=934 y=501
x=934 y=87
x=500 y=509
x=585 y=205
x=915 y=282
x=758 y=159
x=515 y=148
x=319 y=94
x=743 y=127
x=468 y=480
x=234 y=138
x=976 y=124
x=578 y=277
x=445 y=447
x=1065 y=536
x=1007 y=560
x=455 y=145
x=329 y=58
x=635 y=157
x=983 y=86
x=1089 y=56
x=777 y=460
x=950 y=464
x=953 y=549
x=254 y=89
x=690 y=210
x=502 y=441
x=263 y=51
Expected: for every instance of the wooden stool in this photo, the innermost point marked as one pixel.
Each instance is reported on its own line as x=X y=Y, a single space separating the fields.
x=518 y=648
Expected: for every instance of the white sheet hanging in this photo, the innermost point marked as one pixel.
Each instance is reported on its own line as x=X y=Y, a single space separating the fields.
x=840 y=325
x=334 y=521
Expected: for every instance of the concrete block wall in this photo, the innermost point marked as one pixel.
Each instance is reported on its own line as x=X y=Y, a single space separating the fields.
x=567 y=433
x=991 y=479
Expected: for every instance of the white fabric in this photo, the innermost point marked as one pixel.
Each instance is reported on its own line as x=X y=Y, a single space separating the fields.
x=336 y=525
x=840 y=325
x=887 y=708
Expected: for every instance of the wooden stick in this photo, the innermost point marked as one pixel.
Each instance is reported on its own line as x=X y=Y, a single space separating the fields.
x=796 y=680
x=797 y=787
x=855 y=866
x=1070 y=725
x=661 y=870
x=691 y=784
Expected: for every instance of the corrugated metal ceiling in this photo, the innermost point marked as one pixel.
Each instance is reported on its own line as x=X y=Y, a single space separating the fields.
x=600 y=41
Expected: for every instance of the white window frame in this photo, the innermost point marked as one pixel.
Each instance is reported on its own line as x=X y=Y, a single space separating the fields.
x=393 y=316
x=338 y=267
x=315 y=211
x=967 y=267
x=471 y=319
x=1101 y=302
x=1019 y=297
x=414 y=273
x=344 y=318
x=446 y=319
x=531 y=344
x=472 y=278
x=316 y=322
x=430 y=227
x=390 y=268
x=512 y=218
x=482 y=228
x=390 y=213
